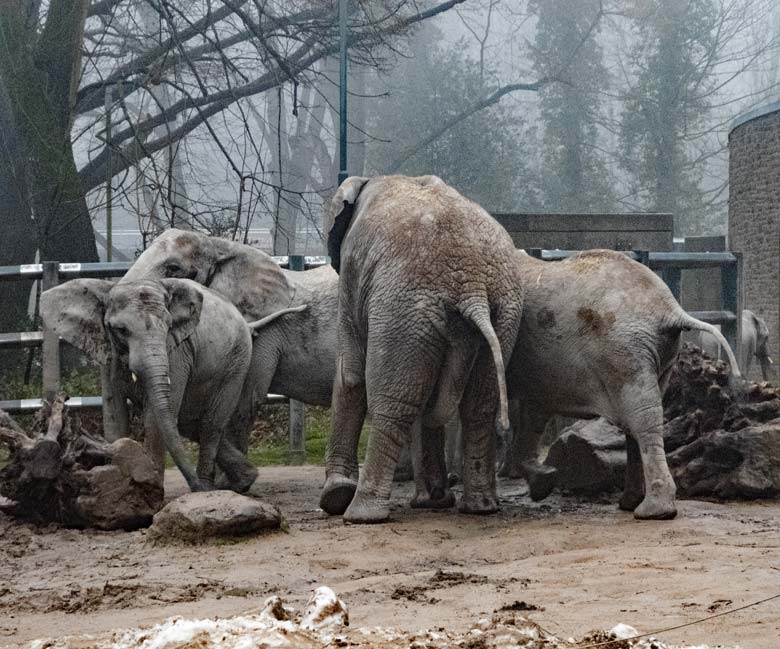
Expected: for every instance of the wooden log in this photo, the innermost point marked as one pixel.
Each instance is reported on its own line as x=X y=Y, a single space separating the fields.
x=60 y=473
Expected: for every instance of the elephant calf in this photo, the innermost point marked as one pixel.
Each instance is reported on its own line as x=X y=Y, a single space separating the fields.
x=187 y=346
x=600 y=335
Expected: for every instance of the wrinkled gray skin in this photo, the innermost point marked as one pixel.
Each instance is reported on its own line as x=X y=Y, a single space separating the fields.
x=429 y=307
x=294 y=356
x=188 y=346
x=599 y=337
x=755 y=343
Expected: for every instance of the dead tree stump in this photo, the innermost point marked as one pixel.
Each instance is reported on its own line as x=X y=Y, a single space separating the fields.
x=58 y=472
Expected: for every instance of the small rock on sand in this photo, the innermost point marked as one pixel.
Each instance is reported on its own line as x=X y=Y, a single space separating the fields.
x=197 y=517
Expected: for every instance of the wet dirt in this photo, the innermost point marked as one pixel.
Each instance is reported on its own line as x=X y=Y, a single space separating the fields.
x=571 y=565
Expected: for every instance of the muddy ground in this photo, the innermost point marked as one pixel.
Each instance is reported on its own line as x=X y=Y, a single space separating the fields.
x=574 y=565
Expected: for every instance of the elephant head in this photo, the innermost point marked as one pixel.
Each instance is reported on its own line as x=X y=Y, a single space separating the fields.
x=140 y=321
x=249 y=278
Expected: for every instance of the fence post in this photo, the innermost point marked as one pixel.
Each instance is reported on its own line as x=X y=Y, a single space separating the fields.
x=643 y=257
x=51 y=341
x=673 y=279
x=730 y=276
x=297 y=453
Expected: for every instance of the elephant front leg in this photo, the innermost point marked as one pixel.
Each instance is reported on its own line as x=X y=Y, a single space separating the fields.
x=431 y=481
x=347 y=415
x=521 y=459
x=239 y=471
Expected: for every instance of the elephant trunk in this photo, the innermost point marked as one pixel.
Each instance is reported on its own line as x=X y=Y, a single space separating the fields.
x=153 y=369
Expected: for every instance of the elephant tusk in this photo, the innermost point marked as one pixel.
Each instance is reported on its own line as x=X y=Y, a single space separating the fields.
x=134 y=377
x=168 y=379
x=769 y=358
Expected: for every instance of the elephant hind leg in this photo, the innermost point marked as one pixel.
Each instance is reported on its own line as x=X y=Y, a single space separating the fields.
x=478 y=411
x=347 y=415
x=400 y=381
x=645 y=424
x=432 y=488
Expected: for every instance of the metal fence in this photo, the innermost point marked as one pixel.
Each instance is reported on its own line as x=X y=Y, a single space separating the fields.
x=669 y=264
x=50 y=274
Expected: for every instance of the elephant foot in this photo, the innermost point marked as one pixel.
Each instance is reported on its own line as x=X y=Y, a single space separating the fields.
x=541 y=480
x=254 y=491
x=658 y=504
x=440 y=500
x=337 y=494
x=478 y=504
x=630 y=500
x=363 y=511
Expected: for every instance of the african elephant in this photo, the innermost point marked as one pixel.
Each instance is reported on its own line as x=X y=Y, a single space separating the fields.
x=600 y=335
x=429 y=308
x=295 y=356
x=188 y=347
x=755 y=342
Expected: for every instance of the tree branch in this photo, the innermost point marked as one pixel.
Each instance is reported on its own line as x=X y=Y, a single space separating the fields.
x=492 y=99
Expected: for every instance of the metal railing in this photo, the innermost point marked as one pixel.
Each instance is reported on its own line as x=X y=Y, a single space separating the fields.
x=671 y=264
x=52 y=273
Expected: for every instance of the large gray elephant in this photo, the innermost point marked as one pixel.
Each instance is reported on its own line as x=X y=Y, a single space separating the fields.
x=600 y=336
x=294 y=356
x=755 y=344
x=188 y=347
x=429 y=308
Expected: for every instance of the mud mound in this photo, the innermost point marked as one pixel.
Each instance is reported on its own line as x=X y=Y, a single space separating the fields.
x=699 y=399
x=110 y=596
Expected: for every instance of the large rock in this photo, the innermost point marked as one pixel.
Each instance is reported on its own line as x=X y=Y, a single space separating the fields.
x=590 y=456
x=730 y=464
x=196 y=517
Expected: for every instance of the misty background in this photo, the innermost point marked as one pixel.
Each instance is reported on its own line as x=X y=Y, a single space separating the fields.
x=222 y=115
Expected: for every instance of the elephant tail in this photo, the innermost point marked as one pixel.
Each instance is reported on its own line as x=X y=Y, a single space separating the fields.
x=259 y=324
x=687 y=322
x=479 y=316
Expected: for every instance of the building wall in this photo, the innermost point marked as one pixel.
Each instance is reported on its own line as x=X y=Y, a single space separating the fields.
x=701 y=287
x=754 y=214
x=586 y=231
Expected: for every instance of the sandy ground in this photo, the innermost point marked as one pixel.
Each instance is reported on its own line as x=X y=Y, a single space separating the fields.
x=577 y=565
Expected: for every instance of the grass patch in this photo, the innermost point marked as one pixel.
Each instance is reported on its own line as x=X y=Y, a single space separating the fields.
x=275 y=451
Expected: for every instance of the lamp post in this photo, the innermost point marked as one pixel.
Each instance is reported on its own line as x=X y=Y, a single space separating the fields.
x=343 y=91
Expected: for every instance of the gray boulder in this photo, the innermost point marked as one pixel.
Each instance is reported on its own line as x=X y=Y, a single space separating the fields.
x=590 y=456
x=197 y=517
x=743 y=464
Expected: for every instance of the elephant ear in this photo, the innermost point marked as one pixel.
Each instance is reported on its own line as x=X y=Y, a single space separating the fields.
x=75 y=310
x=185 y=302
x=343 y=207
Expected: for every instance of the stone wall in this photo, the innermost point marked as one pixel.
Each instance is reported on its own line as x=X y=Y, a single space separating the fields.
x=586 y=231
x=754 y=213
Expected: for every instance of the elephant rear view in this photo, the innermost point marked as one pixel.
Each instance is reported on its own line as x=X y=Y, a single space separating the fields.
x=428 y=312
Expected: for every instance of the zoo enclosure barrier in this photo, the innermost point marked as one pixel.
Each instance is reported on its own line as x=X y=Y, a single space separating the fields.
x=50 y=274
x=669 y=264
